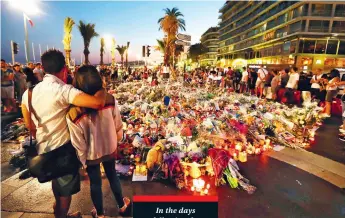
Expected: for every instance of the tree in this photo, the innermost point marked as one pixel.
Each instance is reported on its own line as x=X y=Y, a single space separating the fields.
x=67 y=28
x=121 y=49
x=170 y=24
x=88 y=32
x=195 y=51
x=102 y=51
x=160 y=46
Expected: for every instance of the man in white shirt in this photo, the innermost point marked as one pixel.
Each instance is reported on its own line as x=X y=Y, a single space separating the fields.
x=292 y=85
x=315 y=86
x=244 y=80
x=260 y=82
x=50 y=102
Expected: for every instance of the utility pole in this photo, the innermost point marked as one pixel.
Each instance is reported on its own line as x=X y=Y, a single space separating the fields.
x=33 y=52
x=39 y=45
x=12 y=50
x=26 y=39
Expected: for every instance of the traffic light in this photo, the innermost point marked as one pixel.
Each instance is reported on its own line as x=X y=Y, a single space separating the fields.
x=143 y=51
x=148 y=51
x=15 y=48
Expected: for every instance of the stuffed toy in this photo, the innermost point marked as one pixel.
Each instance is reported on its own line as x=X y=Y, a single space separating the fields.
x=155 y=155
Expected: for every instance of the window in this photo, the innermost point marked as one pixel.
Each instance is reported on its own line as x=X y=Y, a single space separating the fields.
x=286 y=47
x=277 y=50
x=297 y=12
x=338 y=27
x=341 y=49
x=340 y=11
x=293 y=47
x=308 y=46
x=321 y=10
x=318 y=26
x=332 y=47
x=320 y=46
x=269 y=51
x=295 y=27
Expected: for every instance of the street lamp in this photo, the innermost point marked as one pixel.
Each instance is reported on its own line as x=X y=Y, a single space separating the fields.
x=108 y=43
x=29 y=7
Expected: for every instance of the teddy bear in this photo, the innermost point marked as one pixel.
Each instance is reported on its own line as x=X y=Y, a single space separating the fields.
x=155 y=155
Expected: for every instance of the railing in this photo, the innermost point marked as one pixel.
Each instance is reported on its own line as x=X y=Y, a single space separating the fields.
x=339 y=14
x=318 y=29
x=338 y=30
x=321 y=13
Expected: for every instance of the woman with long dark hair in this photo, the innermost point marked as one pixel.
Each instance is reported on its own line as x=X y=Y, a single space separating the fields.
x=95 y=135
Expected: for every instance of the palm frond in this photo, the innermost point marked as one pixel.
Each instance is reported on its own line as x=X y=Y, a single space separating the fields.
x=68 y=25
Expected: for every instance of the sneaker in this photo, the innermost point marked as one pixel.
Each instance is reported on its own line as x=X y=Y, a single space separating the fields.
x=94 y=214
x=127 y=202
x=342 y=137
x=74 y=215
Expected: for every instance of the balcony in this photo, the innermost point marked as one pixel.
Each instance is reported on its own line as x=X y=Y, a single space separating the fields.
x=323 y=13
x=323 y=29
x=338 y=30
x=339 y=13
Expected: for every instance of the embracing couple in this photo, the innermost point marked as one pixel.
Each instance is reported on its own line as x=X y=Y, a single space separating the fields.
x=77 y=124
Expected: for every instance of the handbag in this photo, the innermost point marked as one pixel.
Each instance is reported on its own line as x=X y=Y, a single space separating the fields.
x=54 y=164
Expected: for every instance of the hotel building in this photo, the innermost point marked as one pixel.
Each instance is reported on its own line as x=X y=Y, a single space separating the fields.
x=210 y=42
x=309 y=35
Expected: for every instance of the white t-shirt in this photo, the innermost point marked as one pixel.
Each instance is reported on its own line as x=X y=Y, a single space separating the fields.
x=51 y=100
x=329 y=88
x=244 y=75
x=262 y=73
x=293 y=81
x=316 y=85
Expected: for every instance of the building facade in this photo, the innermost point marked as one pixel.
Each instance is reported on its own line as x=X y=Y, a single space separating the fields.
x=309 y=35
x=210 y=42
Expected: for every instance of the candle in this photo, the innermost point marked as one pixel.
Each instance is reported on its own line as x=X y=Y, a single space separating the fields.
x=242 y=156
x=208 y=186
x=257 y=151
x=238 y=147
x=192 y=189
x=206 y=191
x=235 y=156
x=268 y=142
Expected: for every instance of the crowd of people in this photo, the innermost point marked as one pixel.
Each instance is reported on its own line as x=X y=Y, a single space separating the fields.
x=288 y=86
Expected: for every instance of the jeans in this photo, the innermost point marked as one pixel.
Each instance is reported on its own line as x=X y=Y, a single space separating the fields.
x=94 y=173
x=289 y=94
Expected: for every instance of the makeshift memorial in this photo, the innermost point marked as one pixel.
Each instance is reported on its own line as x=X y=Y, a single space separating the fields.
x=183 y=133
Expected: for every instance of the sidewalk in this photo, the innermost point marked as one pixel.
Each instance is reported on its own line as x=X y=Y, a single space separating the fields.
x=324 y=168
x=5 y=214
x=29 y=198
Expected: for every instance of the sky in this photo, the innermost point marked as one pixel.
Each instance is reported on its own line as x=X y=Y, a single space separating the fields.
x=133 y=21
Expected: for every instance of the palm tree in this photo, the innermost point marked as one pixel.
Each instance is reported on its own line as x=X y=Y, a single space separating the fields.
x=170 y=24
x=67 y=28
x=121 y=49
x=88 y=32
x=102 y=51
x=160 y=46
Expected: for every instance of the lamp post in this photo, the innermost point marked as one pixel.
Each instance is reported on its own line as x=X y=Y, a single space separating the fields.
x=109 y=44
x=26 y=7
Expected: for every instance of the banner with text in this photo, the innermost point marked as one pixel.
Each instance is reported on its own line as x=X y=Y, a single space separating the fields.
x=175 y=206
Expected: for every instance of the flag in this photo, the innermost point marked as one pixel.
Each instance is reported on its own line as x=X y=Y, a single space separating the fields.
x=30 y=21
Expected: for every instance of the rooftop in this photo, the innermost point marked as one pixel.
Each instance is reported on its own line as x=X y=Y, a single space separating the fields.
x=210 y=30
